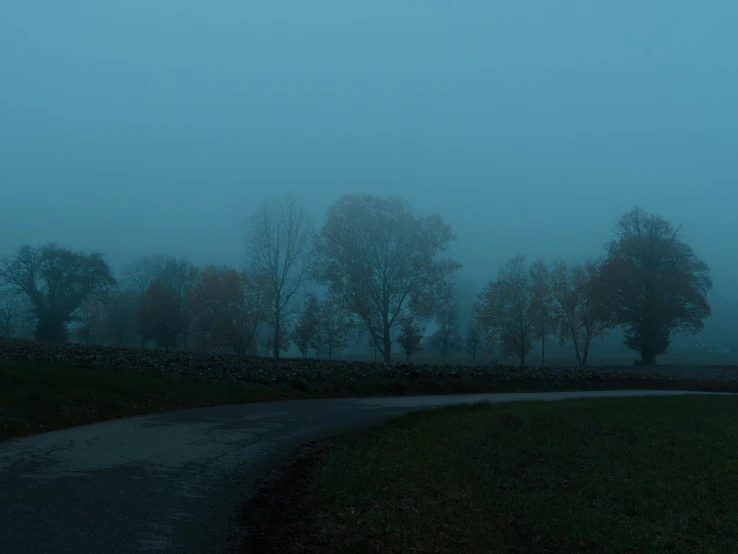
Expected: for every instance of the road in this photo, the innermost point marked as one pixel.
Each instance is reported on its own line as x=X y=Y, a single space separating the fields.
x=170 y=482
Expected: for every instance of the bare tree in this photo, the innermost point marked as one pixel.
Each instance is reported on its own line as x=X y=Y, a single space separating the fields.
x=503 y=309
x=305 y=330
x=278 y=237
x=383 y=263
x=138 y=274
x=578 y=316
x=56 y=281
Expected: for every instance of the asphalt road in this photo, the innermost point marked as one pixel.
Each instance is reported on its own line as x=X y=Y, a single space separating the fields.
x=170 y=482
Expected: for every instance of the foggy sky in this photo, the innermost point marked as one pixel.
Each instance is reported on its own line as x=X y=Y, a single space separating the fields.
x=138 y=126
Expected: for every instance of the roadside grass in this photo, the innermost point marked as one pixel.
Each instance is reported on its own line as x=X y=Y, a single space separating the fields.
x=37 y=397
x=635 y=475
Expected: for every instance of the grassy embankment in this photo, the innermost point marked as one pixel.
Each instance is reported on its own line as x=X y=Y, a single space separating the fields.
x=640 y=475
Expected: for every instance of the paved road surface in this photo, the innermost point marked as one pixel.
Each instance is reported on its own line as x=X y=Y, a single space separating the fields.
x=170 y=482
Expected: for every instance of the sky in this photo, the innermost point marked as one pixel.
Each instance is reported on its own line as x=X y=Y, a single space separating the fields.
x=134 y=127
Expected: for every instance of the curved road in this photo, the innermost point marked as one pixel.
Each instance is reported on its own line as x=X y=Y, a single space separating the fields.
x=170 y=482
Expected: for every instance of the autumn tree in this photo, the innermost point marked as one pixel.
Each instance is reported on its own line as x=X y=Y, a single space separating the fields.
x=157 y=314
x=577 y=312
x=56 y=281
x=541 y=304
x=410 y=338
x=278 y=247
x=335 y=326
x=447 y=337
x=90 y=318
x=225 y=308
x=504 y=309
x=383 y=263
x=652 y=284
x=138 y=274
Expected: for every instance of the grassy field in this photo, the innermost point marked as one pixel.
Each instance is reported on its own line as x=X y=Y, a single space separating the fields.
x=41 y=397
x=641 y=475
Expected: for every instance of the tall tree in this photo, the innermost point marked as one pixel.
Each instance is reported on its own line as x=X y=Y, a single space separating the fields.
x=278 y=238
x=577 y=312
x=652 y=284
x=410 y=338
x=120 y=317
x=541 y=304
x=383 y=263
x=503 y=309
x=447 y=337
x=56 y=281
x=138 y=274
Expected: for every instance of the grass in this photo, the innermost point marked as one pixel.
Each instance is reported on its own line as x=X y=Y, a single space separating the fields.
x=38 y=397
x=637 y=475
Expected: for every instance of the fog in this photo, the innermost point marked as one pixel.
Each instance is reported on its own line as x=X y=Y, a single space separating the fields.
x=138 y=126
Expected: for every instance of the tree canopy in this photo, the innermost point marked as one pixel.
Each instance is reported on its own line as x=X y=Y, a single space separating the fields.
x=383 y=262
x=652 y=284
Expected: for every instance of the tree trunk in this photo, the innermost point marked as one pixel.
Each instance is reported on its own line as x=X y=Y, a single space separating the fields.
x=275 y=350
x=387 y=351
x=648 y=358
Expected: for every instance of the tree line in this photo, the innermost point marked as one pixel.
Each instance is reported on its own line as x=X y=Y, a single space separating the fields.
x=373 y=271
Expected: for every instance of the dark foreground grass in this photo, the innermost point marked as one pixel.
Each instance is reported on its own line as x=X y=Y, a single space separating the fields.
x=36 y=397
x=640 y=475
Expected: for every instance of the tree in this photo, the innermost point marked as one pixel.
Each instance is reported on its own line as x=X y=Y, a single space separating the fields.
x=383 y=263
x=473 y=339
x=541 y=309
x=577 y=314
x=120 y=317
x=335 y=327
x=503 y=309
x=90 y=318
x=179 y=274
x=278 y=237
x=11 y=311
x=652 y=284
x=157 y=314
x=306 y=327
x=56 y=281
x=410 y=338
x=138 y=274
x=447 y=337
x=225 y=308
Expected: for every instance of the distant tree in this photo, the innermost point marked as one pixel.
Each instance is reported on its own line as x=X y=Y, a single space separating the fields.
x=179 y=274
x=11 y=313
x=652 y=284
x=577 y=313
x=157 y=314
x=410 y=338
x=335 y=327
x=120 y=317
x=90 y=318
x=503 y=310
x=278 y=238
x=138 y=274
x=383 y=263
x=474 y=338
x=306 y=328
x=56 y=281
x=541 y=304
x=447 y=337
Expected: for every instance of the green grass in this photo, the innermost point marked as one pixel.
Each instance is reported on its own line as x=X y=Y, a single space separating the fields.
x=38 y=397
x=640 y=475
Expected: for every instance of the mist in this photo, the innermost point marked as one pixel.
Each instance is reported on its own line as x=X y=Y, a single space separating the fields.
x=133 y=127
